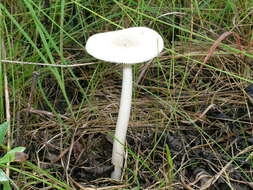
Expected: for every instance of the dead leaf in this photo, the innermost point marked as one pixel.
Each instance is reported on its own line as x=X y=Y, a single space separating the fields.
x=20 y=157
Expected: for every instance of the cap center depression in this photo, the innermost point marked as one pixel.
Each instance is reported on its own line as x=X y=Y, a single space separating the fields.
x=125 y=41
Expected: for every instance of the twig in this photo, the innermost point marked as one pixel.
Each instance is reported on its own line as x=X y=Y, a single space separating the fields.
x=45 y=64
x=42 y=112
x=201 y=115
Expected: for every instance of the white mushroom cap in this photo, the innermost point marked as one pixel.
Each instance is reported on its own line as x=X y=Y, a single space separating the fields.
x=129 y=46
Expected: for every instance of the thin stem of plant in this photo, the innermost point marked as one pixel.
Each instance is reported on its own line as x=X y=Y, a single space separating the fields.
x=7 y=101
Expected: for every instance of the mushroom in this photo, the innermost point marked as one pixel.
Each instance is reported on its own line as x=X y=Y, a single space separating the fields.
x=128 y=46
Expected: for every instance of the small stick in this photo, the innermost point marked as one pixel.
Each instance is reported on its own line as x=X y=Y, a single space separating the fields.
x=45 y=64
x=201 y=115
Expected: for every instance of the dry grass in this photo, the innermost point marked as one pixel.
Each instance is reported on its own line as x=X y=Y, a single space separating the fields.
x=191 y=118
x=206 y=125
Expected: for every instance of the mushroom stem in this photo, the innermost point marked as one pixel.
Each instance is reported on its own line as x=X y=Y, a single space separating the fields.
x=122 y=122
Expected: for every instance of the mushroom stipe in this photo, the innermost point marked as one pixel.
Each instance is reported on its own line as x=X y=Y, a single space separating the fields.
x=128 y=46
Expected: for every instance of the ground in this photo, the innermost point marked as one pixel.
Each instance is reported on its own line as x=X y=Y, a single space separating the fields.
x=190 y=124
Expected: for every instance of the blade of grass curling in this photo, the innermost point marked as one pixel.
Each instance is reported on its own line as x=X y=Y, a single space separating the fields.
x=170 y=163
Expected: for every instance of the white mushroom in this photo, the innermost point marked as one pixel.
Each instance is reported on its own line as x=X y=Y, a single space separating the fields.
x=127 y=46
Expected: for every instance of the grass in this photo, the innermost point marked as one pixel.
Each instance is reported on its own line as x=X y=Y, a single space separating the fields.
x=191 y=119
